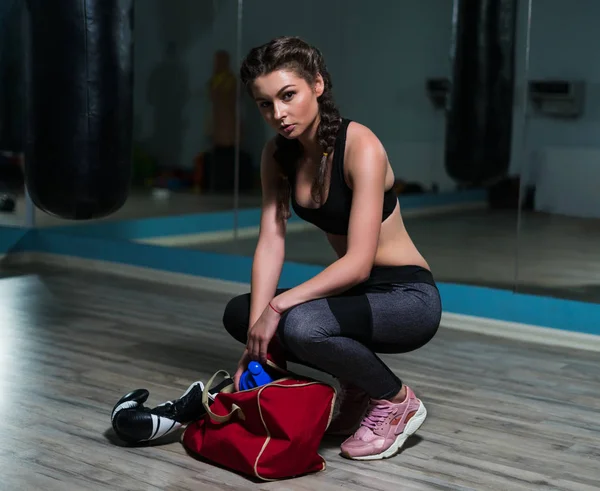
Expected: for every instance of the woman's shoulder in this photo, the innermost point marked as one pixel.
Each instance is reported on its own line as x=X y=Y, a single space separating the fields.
x=362 y=141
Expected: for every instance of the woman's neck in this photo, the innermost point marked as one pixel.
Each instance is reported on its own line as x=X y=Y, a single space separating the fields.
x=308 y=140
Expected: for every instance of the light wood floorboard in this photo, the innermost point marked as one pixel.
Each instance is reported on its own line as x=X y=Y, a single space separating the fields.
x=502 y=415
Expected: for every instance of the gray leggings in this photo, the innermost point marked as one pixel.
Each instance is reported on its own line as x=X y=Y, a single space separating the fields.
x=340 y=335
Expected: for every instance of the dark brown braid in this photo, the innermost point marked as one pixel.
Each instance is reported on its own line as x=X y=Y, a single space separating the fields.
x=307 y=62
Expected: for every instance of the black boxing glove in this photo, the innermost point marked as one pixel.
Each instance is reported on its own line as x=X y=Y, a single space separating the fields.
x=135 y=423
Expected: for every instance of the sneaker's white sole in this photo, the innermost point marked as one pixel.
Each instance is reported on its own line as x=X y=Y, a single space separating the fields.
x=410 y=429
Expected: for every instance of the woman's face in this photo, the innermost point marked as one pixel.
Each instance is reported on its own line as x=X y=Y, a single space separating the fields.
x=287 y=102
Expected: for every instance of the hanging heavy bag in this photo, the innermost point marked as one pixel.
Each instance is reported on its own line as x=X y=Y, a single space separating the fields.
x=269 y=432
x=79 y=105
x=480 y=99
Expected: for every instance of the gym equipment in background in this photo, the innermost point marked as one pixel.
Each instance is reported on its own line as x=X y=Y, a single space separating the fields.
x=79 y=105
x=480 y=95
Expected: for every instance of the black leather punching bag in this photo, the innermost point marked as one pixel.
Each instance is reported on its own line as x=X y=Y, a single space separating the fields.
x=79 y=105
x=480 y=99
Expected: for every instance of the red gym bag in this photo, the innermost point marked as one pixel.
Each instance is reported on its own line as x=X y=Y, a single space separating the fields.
x=270 y=432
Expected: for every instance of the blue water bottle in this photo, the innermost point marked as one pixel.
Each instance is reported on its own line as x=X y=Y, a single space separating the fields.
x=254 y=376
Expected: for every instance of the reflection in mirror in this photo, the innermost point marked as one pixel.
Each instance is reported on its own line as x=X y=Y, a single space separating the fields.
x=559 y=229
x=185 y=107
x=391 y=72
x=184 y=118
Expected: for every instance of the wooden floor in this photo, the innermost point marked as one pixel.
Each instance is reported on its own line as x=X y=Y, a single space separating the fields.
x=502 y=415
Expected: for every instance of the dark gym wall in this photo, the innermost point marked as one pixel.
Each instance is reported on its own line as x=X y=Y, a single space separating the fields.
x=564 y=44
x=388 y=94
x=380 y=84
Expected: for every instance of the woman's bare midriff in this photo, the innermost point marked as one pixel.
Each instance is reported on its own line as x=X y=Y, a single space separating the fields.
x=395 y=246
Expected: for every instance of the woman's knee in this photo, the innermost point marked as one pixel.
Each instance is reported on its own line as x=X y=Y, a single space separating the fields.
x=236 y=317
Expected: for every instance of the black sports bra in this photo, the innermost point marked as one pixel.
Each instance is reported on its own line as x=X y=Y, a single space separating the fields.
x=333 y=216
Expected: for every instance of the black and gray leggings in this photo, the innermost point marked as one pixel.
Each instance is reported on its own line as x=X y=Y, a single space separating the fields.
x=340 y=335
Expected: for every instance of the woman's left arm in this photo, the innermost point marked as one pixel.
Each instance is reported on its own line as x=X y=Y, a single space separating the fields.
x=367 y=165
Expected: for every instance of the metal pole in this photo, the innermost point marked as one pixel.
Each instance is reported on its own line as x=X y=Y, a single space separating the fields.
x=524 y=137
x=238 y=115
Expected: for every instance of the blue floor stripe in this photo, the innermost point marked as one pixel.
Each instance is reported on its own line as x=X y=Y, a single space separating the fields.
x=111 y=241
x=10 y=238
x=476 y=301
x=504 y=305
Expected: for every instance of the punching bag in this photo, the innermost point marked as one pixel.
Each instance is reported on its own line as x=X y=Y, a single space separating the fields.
x=480 y=99
x=78 y=105
x=11 y=79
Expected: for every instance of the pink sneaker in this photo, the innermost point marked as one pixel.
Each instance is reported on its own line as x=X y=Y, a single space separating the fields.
x=385 y=428
x=353 y=406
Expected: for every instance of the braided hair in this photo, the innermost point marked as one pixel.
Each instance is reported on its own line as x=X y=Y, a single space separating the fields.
x=306 y=61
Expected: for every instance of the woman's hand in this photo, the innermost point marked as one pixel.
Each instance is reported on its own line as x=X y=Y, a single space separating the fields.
x=261 y=333
x=242 y=365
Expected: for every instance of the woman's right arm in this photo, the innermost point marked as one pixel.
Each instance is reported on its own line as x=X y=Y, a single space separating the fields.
x=270 y=249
